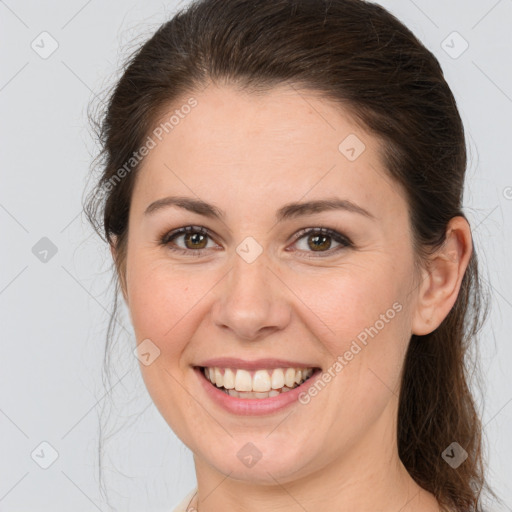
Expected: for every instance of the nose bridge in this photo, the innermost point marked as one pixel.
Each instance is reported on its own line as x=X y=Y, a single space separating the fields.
x=251 y=301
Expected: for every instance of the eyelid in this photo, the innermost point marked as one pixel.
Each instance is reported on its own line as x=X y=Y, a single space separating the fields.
x=340 y=238
x=336 y=235
x=343 y=241
x=173 y=233
x=169 y=236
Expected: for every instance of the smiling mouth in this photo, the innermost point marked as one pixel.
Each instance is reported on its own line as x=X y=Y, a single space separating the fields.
x=256 y=384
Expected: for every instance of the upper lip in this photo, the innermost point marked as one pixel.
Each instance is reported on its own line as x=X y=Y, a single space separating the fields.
x=234 y=362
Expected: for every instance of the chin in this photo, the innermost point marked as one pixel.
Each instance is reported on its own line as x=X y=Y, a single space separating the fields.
x=260 y=461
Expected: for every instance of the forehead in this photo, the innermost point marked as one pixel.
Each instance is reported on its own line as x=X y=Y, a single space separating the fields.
x=281 y=144
x=280 y=118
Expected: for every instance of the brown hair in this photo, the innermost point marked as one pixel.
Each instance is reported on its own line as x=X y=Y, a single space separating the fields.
x=359 y=55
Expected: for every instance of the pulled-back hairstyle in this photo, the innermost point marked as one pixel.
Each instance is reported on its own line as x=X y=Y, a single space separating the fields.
x=357 y=54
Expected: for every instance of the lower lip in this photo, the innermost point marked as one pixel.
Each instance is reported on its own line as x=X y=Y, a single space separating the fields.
x=254 y=406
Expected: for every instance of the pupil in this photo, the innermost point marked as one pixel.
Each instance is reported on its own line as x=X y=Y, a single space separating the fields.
x=321 y=245
x=195 y=238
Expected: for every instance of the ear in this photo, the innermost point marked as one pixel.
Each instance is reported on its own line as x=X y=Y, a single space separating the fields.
x=441 y=281
x=120 y=271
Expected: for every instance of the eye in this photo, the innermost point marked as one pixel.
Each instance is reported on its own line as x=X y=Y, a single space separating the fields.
x=319 y=240
x=315 y=240
x=195 y=240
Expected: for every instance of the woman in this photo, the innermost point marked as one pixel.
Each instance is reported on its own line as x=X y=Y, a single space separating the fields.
x=282 y=195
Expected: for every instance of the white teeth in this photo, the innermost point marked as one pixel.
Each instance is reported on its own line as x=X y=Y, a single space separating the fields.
x=277 y=378
x=243 y=380
x=261 y=381
x=258 y=384
x=254 y=394
x=289 y=377
x=219 y=379
x=229 y=379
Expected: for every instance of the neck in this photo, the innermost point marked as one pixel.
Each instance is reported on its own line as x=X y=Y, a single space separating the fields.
x=370 y=476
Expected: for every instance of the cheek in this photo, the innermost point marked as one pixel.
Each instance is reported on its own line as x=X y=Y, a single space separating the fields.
x=165 y=306
x=165 y=303
x=362 y=320
x=353 y=301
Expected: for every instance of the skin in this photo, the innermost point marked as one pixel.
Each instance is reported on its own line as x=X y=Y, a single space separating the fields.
x=249 y=155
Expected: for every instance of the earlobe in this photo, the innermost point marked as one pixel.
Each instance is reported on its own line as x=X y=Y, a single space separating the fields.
x=441 y=282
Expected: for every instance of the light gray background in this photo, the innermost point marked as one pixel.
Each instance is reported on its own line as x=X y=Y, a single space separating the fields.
x=54 y=313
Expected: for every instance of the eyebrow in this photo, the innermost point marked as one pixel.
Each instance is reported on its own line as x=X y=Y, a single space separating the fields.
x=288 y=211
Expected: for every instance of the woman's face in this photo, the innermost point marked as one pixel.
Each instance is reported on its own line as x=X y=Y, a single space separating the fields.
x=256 y=287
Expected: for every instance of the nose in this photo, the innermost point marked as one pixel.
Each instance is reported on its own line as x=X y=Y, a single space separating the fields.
x=252 y=301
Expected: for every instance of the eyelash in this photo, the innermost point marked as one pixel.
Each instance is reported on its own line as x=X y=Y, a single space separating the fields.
x=345 y=242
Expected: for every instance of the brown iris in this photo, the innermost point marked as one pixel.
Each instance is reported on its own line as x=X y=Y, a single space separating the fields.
x=196 y=239
x=319 y=242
